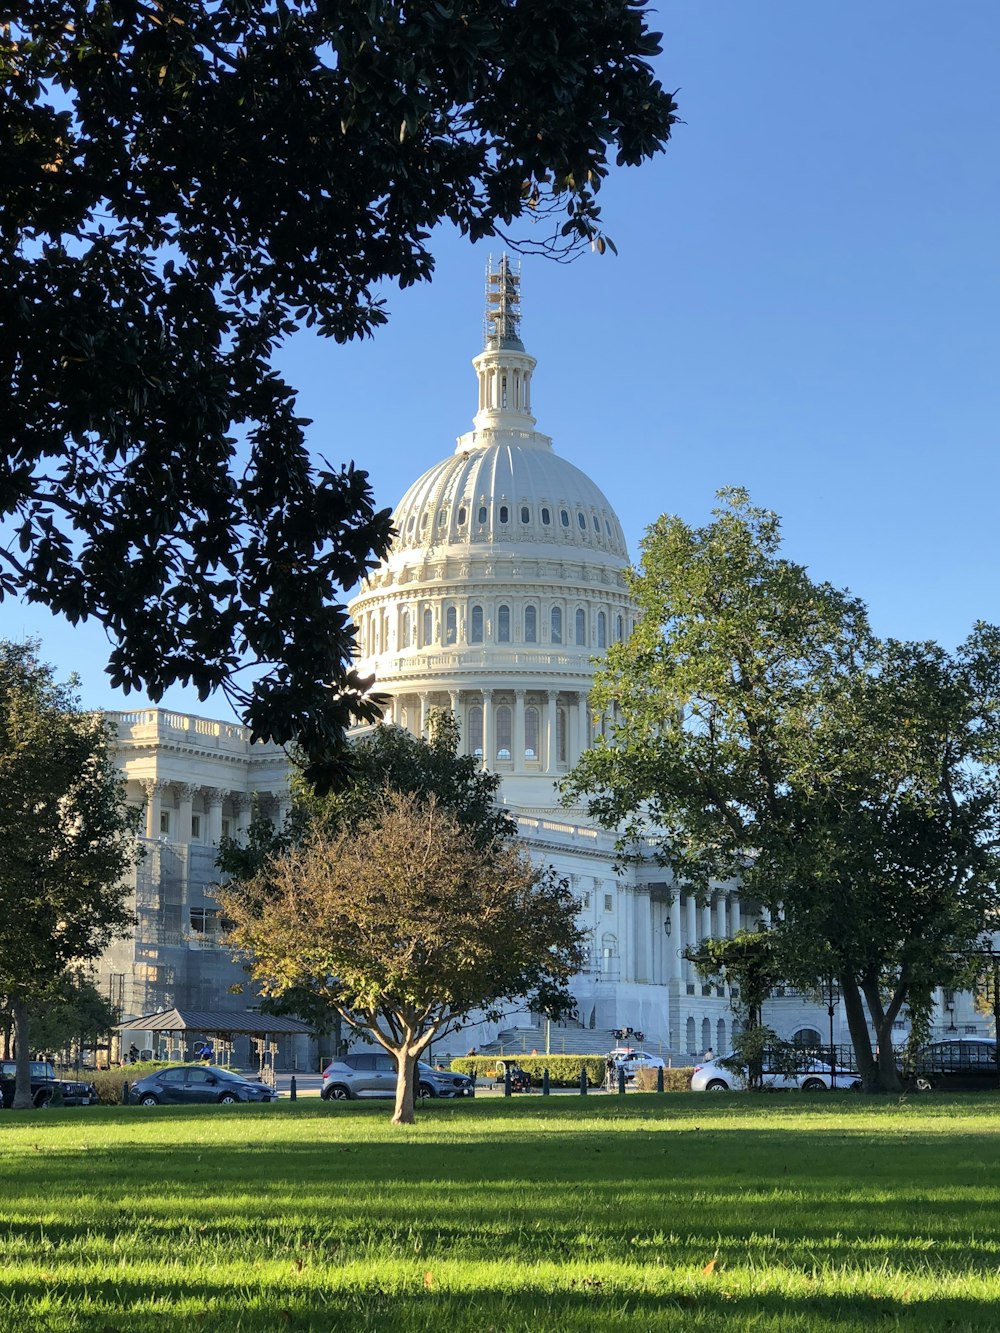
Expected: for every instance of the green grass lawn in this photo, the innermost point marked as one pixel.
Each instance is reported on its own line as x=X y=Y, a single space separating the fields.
x=679 y=1212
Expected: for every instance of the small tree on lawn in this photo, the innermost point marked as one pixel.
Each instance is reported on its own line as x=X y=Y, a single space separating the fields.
x=407 y=924
x=67 y=836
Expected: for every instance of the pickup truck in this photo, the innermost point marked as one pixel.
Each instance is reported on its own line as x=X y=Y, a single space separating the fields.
x=45 y=1086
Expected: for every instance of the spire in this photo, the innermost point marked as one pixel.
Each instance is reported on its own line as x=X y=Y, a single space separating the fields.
x=503 y=307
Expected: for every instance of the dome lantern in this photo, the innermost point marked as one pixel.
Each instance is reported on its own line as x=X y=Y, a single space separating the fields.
x=503 y=367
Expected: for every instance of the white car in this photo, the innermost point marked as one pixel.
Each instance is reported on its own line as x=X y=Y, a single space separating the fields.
x=712 y=1076
x=625 y=1057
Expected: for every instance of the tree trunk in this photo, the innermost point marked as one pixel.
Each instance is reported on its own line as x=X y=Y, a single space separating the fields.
x=22 y=1078
x=888 y=1074
x=406 y=1085
x=860 y=1038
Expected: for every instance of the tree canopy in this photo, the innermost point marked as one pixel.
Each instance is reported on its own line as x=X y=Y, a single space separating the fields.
x=852 y=784
x=405 y=925
x=184 y=184
x=68 y=837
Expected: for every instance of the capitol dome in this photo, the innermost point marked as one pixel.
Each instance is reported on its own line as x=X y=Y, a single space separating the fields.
x=505 y=580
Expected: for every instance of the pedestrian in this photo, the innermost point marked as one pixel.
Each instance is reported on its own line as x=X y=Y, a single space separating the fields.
x=709 y=1054
x=471 y=1053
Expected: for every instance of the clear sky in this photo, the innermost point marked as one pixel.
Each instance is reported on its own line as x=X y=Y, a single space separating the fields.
x=805 y=302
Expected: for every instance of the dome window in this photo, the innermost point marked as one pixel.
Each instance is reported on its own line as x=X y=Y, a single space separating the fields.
x=428 y=627
x=476 y=625
x=461 y=517
x=531 y=624
x=476 y=730
x=556 y=624
x=503 y=624
x=410 y=523
x=482 y=513
x=423 y=522
x=531 y=732
x=564 y=517
x=581 y=518
x=504 y=514
x=621 y=629
x=581 y=628
x=442 y=518
x=451 y=625
x=404 y=628
x=504 y=721
x=602 y=630
x=525 y=514
x=597 y=525
x=546 y=517
x=607 y=527
x=561 y=735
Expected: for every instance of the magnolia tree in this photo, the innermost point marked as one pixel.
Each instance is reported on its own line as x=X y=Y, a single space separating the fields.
x=762 y=732
x=405 y=925
x=67 y=838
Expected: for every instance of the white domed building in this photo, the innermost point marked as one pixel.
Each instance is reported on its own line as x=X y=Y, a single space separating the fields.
x=504 y=586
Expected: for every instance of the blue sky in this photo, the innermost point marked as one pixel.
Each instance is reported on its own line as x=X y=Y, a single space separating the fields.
x=806 y=302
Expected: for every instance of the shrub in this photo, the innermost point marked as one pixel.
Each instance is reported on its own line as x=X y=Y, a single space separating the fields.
x=674 y=1080
x=564 y=1070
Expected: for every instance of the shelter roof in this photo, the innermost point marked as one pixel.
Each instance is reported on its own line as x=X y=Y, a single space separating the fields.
x=215 y=1022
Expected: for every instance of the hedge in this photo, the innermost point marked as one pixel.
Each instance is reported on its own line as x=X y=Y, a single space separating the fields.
x=674 y=1080
x=109 y=1082
x=564 y=1071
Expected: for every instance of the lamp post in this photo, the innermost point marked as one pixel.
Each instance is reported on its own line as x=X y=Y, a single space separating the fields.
x=833 y=1050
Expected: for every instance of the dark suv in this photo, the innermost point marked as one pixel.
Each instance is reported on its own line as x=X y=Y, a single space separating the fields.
x=45 y=1086
x=963 y=1064
x=373 y=1074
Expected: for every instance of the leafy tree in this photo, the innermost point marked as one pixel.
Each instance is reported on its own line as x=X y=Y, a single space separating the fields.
x=747 y=962
x=851 y=784
x=69 y=1011
x=405 y=925
x=183 y=184
x=68 y=838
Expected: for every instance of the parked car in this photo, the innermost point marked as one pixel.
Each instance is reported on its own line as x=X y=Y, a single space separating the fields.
x=962 y=1064
x=629 y=1059
x=713 y=1076
x=373 y=1074
x=46 y=1087
x=183 y=1085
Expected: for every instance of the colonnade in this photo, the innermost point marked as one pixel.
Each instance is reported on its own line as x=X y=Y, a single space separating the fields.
x=177 y=800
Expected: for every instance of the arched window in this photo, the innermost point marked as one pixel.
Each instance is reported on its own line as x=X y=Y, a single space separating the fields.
x=556 y=626
x=476 y=625
x=609 y=952
x=404 y=627
x=597 y=525
x=525 y=514
x=706 y=1033
x=428 y=630
x=409 y=525
x=561 y=746
x=546 y=517
x=423 y=521
x=690 y=1036
x=581 y=518
x=531 y=732
x=531 y=624
x=806 y=1039
x=720 y=1037
x=503 y=624
x=504 y=731
x=451 y=625
x=564 y=517
x=476 y=730
x=461 y=516
x=504 y=514
x=602 y=630
x=581 y=628
x=482 y=513
x=385 y=631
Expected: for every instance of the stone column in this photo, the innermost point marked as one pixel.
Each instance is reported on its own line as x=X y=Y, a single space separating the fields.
x=186 y=791
x=706 y=919
x=518 y=731
x=550 y=731
x=692 y=932
x=734 y=913
x=453 y=703
x=722 y=927
x=424 y=710
x=643 y=937
x=213 y=813
x=487 y=728
x=153 y=788
x=243 y=802
x=674 y=941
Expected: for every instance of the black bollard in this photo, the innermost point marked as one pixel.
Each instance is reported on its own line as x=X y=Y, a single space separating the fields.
x=621 y=1080
x=506 y=1080
x=124 y=1094
x=292 y=1090
x=545 y=1082
x=659 y=1079
x=583 y=1080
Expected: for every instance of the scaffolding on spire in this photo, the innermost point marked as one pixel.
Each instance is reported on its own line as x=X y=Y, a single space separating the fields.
x=502 y=325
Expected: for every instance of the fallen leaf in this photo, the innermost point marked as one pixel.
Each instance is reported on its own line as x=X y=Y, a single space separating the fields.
x=709 y=1268
x=429 y=1280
